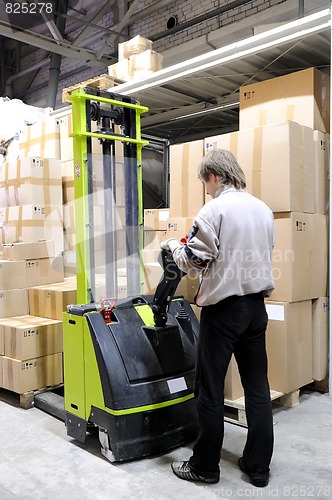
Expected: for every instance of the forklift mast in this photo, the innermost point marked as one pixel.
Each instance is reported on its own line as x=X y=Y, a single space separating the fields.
x=117 y=120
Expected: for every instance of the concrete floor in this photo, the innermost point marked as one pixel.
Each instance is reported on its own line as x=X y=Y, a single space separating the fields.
x=39 y=461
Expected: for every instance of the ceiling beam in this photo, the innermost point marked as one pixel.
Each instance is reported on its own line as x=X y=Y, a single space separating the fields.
x=119 y=27
x=63 y=48
x=52 y=27
x=100 y=14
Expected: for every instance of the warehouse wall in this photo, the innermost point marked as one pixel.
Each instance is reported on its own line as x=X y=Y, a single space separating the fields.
x=220 y=30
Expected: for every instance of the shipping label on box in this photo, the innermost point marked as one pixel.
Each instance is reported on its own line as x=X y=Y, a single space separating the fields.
x=41 y=139
x=31 y=179
x=289 y=345
x=27 y=337
x=29 y=375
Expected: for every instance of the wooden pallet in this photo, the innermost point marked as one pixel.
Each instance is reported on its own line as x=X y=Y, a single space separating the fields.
x=102 y=82
x=25 y=400
x=235 y=412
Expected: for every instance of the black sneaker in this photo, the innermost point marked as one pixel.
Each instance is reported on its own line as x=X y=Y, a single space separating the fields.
x=184 y=471
x=260 y=482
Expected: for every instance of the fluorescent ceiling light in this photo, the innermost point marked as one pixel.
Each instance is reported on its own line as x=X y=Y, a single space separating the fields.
x=285 y=33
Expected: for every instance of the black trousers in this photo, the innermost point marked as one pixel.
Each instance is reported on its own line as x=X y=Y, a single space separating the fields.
x=234 y=325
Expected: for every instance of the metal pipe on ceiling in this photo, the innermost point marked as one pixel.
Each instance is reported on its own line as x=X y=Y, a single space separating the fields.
x=301 y=8
x=200 y=19
x=8 y=91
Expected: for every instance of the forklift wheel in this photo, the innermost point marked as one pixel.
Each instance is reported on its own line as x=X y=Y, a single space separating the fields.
x=105 y=445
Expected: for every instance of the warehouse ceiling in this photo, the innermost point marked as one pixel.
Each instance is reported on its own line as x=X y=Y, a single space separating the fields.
x=198 y=96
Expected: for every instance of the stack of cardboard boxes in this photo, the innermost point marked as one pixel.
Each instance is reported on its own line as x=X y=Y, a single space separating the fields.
x=31 y=255
x=283 y=147
x=136 y=60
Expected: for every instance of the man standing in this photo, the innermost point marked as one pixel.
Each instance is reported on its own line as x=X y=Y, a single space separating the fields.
x=231 y=241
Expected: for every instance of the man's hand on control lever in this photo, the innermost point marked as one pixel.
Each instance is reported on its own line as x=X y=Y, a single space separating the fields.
x=171 y=244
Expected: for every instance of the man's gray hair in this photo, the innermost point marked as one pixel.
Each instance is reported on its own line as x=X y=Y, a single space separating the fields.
x=224 y=165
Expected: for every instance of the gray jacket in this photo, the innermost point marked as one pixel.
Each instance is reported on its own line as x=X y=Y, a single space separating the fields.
x=231 y=241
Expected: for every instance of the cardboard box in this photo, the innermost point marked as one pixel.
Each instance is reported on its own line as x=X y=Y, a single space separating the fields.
x=27 y=337
x=278 y=163
x=100 y=290
x=289 y=345
x=33 y=223
x=44 y=271
x=233 y=387
x=121 y=70
x=152 y=239
x=246 y=146
x=14 y=303
x=150 y=255
x=287 y=167
x=50 y=301
x=1 y=371
x=148 y=60
x=156 y=219
x=12 y=274
x=68 y=190
x=41 y=139
x=322 y=171
x=179 y=227
x=187 y=287
x=186 y=190
x=30 y=179
x=320 y=256
x=320 y=338
x=301 y=96
x=299 y=258
x=25 y=251
x=135 y=45
x=29 y=375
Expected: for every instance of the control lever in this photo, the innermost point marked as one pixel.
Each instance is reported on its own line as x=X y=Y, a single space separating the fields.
x=166 y=287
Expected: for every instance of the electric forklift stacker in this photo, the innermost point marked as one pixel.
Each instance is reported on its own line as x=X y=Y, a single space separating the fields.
x=128 y=361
